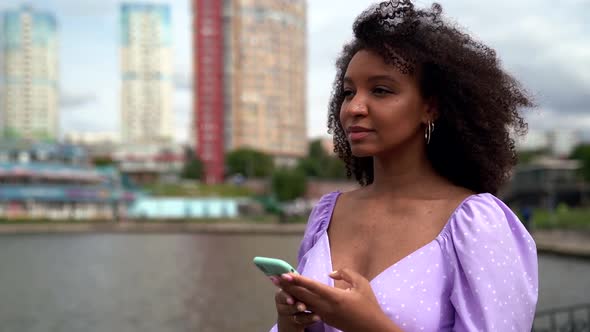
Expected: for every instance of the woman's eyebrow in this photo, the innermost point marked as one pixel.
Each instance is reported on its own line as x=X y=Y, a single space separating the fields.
x=348 y=79
x=382 y=78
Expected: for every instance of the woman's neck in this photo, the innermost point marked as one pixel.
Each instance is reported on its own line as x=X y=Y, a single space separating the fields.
x=407 y=172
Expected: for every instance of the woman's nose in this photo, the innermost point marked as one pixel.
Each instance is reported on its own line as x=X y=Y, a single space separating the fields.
x=357 y=107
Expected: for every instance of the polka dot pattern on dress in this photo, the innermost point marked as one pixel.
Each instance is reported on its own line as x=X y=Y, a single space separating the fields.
x=479 y=274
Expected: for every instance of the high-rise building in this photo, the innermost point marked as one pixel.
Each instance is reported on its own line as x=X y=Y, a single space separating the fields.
x=29 y=89
x=208 y=98
x=146 y=64
x=250 y=79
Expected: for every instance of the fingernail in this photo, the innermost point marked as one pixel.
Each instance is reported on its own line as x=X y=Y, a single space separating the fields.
x=334 y=273
x=287 y=277
x=301 y=307
x=315 y=318
x=290 y=301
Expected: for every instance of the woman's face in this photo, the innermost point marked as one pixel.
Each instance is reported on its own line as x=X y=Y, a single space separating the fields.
x=383 y=109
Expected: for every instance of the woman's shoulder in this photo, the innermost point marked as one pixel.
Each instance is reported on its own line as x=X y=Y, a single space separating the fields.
x=476 y=208
x=483 y=217
x=480 y=206
x=488 y=249
x=317 y=221
x=326 y=202
x=322 y=210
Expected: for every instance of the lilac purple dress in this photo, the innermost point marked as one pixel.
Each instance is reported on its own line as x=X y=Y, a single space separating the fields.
x=478 y=274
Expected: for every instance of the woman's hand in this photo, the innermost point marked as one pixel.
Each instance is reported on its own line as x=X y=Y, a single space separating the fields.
x=353 y=309
x=291 y=313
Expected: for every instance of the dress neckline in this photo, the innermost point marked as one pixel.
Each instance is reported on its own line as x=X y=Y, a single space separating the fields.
x=328 y=220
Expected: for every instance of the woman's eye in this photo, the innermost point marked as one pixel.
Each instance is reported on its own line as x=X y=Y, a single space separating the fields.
x=381 y=91
x=347 y=93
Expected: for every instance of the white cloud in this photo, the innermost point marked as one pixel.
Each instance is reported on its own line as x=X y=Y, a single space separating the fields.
x=75 y=100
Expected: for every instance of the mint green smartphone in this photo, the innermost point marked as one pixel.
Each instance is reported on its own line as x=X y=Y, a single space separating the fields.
x=273 y=266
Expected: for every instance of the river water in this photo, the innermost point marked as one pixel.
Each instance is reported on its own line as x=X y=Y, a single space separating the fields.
x=173 y=282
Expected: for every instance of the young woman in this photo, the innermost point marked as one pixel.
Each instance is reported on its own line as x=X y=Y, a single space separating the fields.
x=422 y=115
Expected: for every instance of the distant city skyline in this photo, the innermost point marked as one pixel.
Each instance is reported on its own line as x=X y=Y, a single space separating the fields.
x=545 y=46
x=29 y=74
x=146 y=74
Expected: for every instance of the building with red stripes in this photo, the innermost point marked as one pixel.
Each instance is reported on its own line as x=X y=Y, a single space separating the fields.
x=249 y=80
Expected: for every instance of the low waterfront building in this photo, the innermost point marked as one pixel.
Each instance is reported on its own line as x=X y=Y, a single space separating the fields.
x=166 y=208
x=149 y=163
x=56 y=181
x=547 y=182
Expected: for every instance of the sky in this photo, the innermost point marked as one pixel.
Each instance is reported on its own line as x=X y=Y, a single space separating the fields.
x=543 y=44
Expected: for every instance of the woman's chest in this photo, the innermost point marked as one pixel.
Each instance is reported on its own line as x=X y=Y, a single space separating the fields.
x=370 y=246
x=414 y=292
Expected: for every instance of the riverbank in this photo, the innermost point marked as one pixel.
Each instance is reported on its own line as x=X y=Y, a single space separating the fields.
x=563 y=242
x=221 y=227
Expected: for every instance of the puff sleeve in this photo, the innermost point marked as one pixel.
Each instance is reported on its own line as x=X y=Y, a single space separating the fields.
x=494 y=267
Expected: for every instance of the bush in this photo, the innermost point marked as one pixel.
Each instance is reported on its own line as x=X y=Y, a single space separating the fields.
x=193 y=169
x=288 y=184
x=249 y=162
x=319 y=164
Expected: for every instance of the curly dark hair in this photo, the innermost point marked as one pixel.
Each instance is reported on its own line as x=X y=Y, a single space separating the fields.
x=478 y=102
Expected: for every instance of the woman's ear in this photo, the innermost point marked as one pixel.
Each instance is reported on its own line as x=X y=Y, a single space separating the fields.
x=431 y=113
x=433 y=108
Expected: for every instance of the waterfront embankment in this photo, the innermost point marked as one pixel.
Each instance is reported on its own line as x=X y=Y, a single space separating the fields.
x=565 y=242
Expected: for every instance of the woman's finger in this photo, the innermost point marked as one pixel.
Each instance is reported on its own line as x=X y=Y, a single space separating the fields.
x=302 y=294
x=274 y=280
x=313 y=287
x=305 y=319
x=286 y=309
x=282 y=297
x=351 y=277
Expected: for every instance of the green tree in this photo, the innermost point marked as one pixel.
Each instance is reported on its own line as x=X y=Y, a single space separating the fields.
x=249 y=162
x=310 y=167
x=320 y=164
x=526 y=156
x=335 y=168
x=193 y=169
x=288 y=184
x=101 y=161
x=11 y=133
x=316 y=150
x=582 y=153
